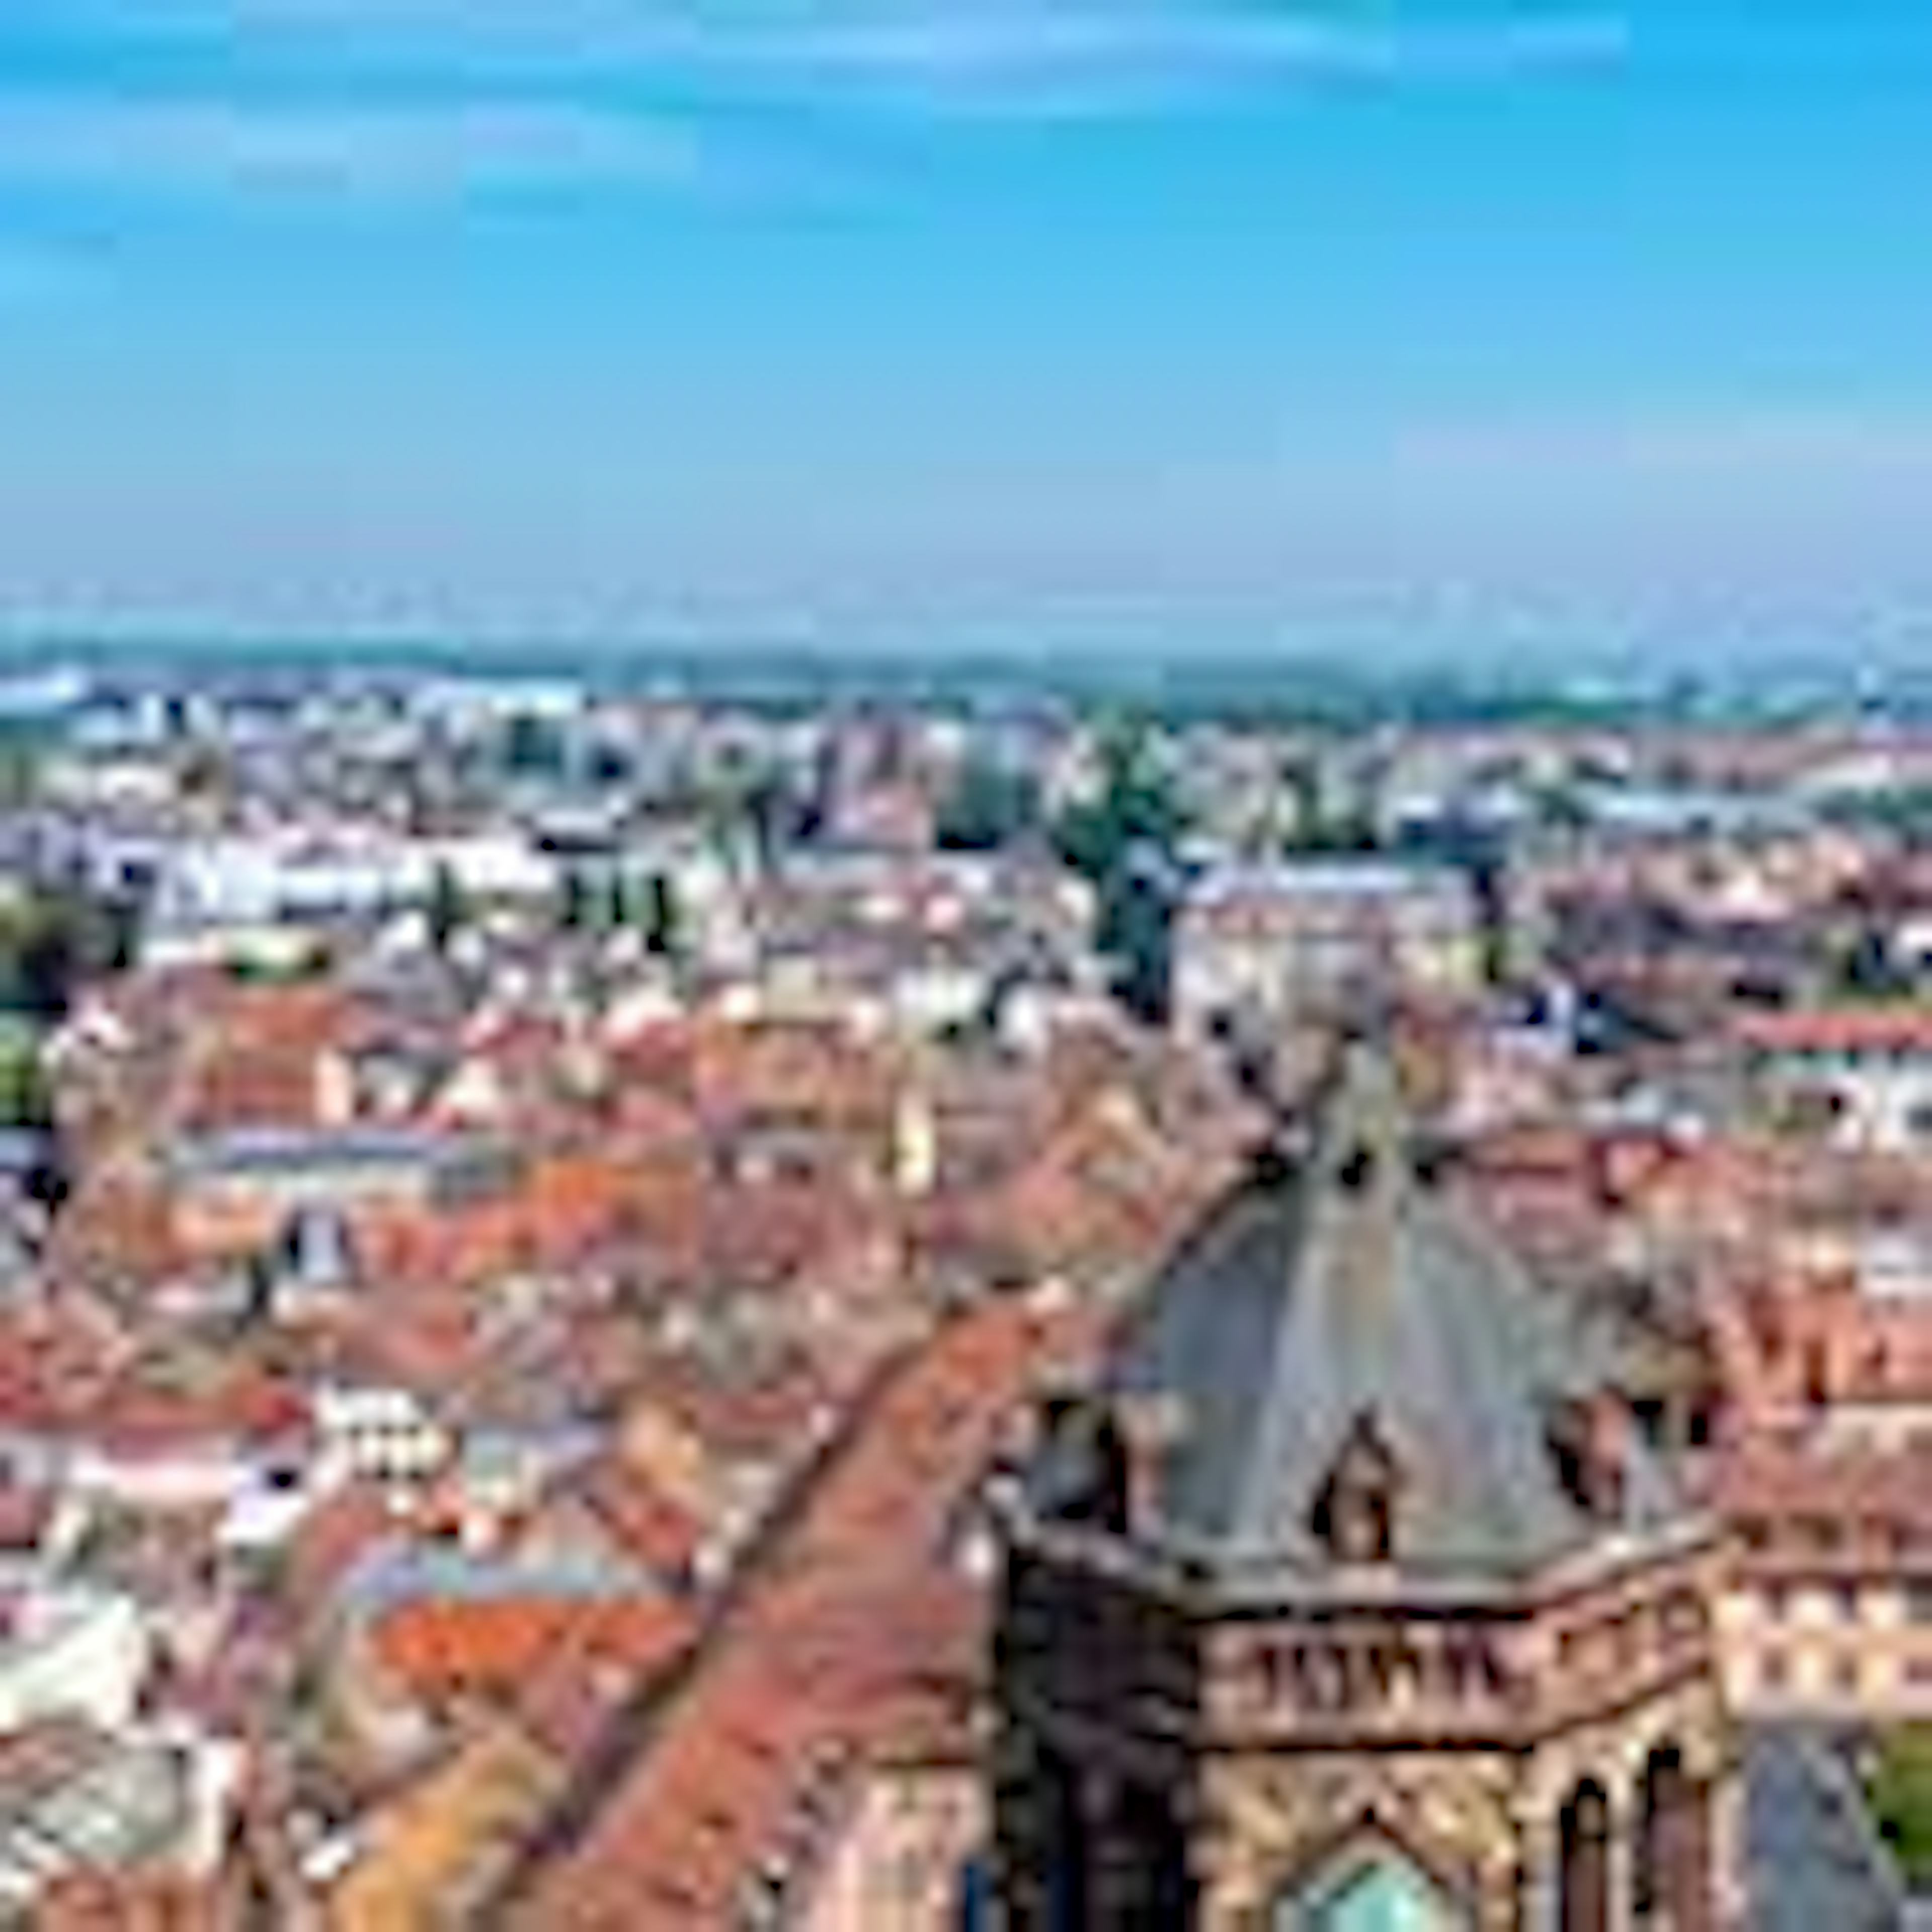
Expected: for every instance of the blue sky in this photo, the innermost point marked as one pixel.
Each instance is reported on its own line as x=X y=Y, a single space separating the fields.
x=1495 y=322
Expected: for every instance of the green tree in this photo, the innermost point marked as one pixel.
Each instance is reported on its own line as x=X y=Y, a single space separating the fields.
x=1301 y=790
x=448 y=909
x=24 y=1099
x=1135 y=808
x=660 y=917
x=1322 y=828
x=51 y=941
x=109 y=932
x=987 y=806
x=533 y=747
x=1136 y=918
x=20 y=772
x=1564 y=806
x=1488 y=884
x=38 y=962
x=1900 y=1787
x=1866 y=970
x=1123 y=842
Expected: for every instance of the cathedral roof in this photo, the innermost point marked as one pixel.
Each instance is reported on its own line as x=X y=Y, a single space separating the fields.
x=1344 y=1297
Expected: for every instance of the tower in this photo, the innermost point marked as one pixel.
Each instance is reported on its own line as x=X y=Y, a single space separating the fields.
x=1347 y=1601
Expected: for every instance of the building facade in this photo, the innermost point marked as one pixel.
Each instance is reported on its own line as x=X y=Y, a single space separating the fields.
x=1350 y=1601
x=1281 y=941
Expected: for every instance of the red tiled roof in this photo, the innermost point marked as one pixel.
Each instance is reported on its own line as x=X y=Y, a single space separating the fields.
x=440 y=1648
x=651 y=1528
x=95 y=1901
x=327 y=1544
x=115 y=1226
x=853 y=1633
x=1873 y=1029
x=1770 y=1482
x=244 y=1406
x=252 y=1054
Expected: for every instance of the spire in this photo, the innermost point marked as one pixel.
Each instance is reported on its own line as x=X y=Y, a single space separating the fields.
x=1355 y=1302
x=1362 y=1166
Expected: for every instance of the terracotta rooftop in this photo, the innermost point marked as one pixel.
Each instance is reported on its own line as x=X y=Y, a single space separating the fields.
x=851 y=1632
x=440 y=1648
x=1778 y=1485
x=439 y=1837
x=1846 y=1029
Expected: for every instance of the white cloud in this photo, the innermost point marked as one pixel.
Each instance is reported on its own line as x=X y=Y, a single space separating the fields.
x=917 y=52
x=410 y=150
x=996 y=42
x=426 y=99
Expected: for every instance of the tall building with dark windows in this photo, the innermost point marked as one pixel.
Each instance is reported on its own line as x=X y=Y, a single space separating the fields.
x=1350 y=1600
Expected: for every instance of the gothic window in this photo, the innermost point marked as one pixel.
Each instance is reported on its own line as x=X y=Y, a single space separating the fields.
x=1671 y=1884
x=1112 y=1477
x=1586 y=1875
x=1380 y=1893
x=1354 y=1518
x=1096 y=1473
x=1571 y=1450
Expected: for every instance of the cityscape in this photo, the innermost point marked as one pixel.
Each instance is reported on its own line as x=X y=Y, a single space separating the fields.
x=965 y=966
x=592 y=1273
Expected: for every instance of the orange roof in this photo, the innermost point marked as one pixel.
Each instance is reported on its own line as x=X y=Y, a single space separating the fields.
x=814 y=1070
x=139 y=1901
x=431 y=1842
x=1885 y=1028
x=113 y=1225
x=652 y=1527
x=327 y=1542
x=440 y=1648
x=1763 y=1479
x=250 y=1055
x=853 y=1640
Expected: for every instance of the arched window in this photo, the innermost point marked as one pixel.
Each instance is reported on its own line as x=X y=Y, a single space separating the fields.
x=1568 y=1432
x=1354 y=1516
x=1096 y=1472
x=1381 y=1894
x=1671 y=1880
x=1113 y=1477
x=1584 y=1879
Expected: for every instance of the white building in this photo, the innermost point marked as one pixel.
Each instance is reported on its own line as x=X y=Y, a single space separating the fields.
x=72 y=1655
x=214 y=897
x=1266 y=940
x=1862 y=1075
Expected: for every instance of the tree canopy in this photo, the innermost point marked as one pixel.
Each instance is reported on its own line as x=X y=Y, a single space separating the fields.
x=51 y=941
x=987 y=806
x=1901 y=1797
x=24 y=1098
x=1124 y=841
